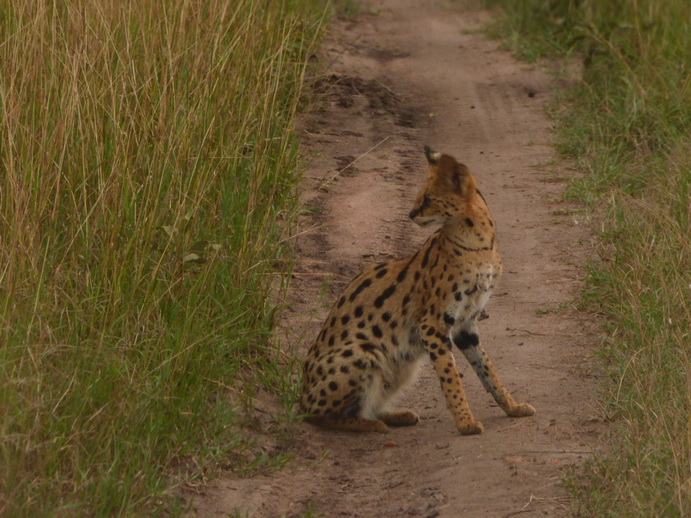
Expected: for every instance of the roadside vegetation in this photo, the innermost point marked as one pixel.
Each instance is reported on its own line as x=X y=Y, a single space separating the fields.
x=147 y=168
x=626 y=125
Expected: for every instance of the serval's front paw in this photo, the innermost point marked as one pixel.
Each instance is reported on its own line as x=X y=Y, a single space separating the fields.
x=470 y=428
x=521 y=410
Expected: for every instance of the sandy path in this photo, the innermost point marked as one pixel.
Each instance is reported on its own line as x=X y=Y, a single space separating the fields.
x=415 y=73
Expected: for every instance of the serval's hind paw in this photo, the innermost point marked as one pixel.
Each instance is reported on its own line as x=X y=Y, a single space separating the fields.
x=401 y=418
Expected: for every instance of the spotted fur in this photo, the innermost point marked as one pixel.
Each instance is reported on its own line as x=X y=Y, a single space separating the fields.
x=396 y=314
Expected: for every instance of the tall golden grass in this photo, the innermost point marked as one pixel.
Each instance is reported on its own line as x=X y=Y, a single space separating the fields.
x=146 y=172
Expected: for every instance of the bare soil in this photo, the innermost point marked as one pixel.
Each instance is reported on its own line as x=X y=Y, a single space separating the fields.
x=403 y=74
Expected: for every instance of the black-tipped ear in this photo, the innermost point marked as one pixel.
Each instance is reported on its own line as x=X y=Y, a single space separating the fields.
x=457 y=176
x=432 y=156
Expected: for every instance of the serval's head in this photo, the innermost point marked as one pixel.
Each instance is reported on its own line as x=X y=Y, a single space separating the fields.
x=448 y=188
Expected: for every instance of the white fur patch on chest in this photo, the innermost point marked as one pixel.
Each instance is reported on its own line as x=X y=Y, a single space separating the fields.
x=474 y=295
x=485 y=277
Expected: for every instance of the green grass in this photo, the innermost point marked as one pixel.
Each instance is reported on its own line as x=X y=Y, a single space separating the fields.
x=626 y=125
x=146 y=187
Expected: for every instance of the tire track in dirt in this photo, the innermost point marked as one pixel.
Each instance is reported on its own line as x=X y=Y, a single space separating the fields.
x=414 y=73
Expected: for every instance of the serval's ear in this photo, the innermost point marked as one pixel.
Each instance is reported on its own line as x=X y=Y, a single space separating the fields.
x=432 y=156
x=453 y=174
x=460 y=177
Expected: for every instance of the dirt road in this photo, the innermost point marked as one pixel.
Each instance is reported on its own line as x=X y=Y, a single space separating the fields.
x=403 y=74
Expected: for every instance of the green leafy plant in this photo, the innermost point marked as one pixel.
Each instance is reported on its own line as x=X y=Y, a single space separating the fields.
x=626 y=125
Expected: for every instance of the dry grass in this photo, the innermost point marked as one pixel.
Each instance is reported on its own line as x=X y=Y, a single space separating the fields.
x=146 y=175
